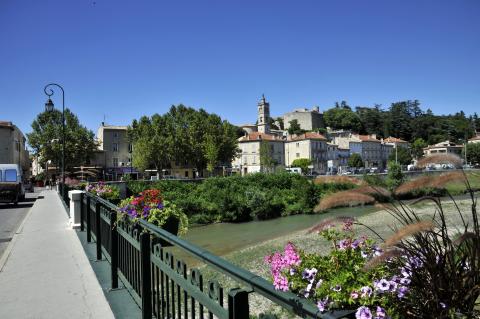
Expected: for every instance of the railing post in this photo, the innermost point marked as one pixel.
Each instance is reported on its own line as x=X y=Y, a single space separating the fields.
x=114 y=249
x=146 y=275
x=89 y=222
x=98 y=233
x=82 y=215
x=238 y=304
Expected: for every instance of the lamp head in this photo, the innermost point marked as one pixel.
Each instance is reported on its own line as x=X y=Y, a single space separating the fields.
x=49 y=105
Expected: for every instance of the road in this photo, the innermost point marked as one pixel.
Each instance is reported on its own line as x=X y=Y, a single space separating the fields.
x=11 y=217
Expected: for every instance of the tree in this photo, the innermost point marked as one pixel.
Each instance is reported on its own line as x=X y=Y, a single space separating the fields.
x=183 y=135
x=294 y=128
x=46 y=139
x=355 y=160
x=372 y=119
x=266 y=158
x=303 y=163
x=401 y=155
x=342 y=118
x=395 y=176
x=473 y=153
x=417 y=147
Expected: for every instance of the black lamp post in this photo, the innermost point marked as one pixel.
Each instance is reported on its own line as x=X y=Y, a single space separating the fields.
x=49 y=108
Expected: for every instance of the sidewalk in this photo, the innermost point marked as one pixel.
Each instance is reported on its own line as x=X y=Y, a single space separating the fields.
x=47 y=274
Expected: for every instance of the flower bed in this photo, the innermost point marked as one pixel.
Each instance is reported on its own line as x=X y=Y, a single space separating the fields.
x=150 y=206
x=108 y=192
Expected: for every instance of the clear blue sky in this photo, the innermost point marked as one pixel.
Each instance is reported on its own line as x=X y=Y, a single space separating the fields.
x=124 y=59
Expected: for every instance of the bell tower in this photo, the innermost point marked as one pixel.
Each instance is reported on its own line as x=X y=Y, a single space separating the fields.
x=263 y=116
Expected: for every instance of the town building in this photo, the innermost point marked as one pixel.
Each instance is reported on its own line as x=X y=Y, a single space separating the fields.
x=114 y=151
x=396 y=142
x=13 y=147
x=309 y=120
x=445 y=147
x=475 y=139
x=337 y=158
x=310 y=145
x=374 y=152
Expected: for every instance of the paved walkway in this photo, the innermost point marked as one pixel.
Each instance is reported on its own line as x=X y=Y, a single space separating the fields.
x=47 y=274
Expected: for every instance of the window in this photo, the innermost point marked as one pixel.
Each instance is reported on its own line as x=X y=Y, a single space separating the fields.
x=10 y=175
x=186 y=174
x=1 y=175
x=115 y=147
x=130 y=148
x=254 y=160
x=298 y=144
x=115 y=162
x=115 y=134
x=298 y=155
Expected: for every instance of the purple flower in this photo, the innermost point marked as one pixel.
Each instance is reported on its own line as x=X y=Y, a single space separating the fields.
x=381 y=312
x=355 y=244
x=377 y=251
x=402 y=290
x=363 y=313
x=280 y=283
x=337 y=288
x=364 y=254
x=319 y=283
x=309 y=274
x=382 y=285
x=343 y=244
x=322 y=304
x=405 y=281
x=354 y=295
x=366 y=291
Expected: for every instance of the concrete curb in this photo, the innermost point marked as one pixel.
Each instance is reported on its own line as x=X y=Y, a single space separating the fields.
x=10 y=246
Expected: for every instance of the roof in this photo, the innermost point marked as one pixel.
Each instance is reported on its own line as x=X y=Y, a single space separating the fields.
x=258 y=136
x=113 y=127
x=475 y=138
x=309 y=136
x=367 y=138
x=394 y=140
x=6 y=124
x=443 y=144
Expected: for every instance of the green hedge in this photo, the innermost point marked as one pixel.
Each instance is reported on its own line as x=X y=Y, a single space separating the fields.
x=238 y=199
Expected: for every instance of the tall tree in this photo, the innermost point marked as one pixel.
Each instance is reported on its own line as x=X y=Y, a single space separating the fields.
x=372 y=120
x=417 y=147
x=355 y=160
x=400 y=155
x=266 y=156
x=342 y=118
x=294 y=128
x=46 y=139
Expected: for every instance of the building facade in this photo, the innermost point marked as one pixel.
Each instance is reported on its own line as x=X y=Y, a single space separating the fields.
x=374 y=152
x=13 y=147
x=308 y=119
x=115 y=151
x=445 y=147
x=312 y=146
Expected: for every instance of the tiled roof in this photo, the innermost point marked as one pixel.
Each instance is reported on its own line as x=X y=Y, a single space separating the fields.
x=367 y=138
x=257 y=136
x=309 y=136
x=394 y=140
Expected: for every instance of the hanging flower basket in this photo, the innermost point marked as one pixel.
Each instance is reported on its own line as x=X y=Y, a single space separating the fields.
x=150 y=206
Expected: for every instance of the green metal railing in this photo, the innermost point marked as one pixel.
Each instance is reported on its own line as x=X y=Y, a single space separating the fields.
x=162 y=285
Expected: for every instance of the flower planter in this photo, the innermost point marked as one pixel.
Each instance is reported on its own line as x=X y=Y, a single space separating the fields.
x=171 y=225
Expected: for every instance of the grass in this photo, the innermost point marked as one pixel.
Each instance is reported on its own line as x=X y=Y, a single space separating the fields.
x=458 y=187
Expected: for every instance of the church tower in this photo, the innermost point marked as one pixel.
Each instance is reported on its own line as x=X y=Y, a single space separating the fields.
x=263 y=116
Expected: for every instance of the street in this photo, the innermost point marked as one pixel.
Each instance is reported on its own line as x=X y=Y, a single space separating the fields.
x=11 y=217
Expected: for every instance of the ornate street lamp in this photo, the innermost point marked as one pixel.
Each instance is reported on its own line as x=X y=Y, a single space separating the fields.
x=49 y=108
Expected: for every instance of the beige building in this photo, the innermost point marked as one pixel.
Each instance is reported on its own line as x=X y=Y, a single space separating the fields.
x=374 y=152
x=475 y=139
x=115 y=151
x=308 y=119
x=248 y=160
x=13 y=146
x=446 y=147
x=310 y=145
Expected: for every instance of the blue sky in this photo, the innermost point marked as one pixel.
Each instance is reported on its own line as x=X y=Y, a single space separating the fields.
x=125 y=59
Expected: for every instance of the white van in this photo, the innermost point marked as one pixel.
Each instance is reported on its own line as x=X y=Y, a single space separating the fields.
x=11 y=184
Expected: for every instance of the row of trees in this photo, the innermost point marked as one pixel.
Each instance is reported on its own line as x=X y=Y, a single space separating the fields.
x=405 y=120
x=183 y=135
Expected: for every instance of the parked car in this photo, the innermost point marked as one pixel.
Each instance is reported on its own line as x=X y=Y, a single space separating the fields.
x=11 y=184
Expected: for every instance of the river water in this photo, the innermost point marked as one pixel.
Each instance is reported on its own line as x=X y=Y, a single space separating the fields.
x=223 y=238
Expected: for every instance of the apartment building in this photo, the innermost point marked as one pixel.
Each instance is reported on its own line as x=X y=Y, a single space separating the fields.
x=13 y=146
x=248 y=160
x=443 y=147
x=310 y=145
x=115 y=151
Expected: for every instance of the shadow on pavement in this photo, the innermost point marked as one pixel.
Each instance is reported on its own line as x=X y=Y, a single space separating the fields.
x=19 y=205
x=120 y=300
